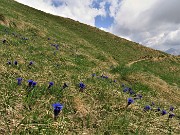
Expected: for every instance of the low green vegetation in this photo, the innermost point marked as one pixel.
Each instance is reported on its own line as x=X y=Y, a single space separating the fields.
x=103 y=74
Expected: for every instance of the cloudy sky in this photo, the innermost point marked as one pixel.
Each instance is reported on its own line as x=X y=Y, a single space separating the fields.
x=153 y=23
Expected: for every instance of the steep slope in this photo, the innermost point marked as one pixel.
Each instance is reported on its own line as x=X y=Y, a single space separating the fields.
x=66 y=51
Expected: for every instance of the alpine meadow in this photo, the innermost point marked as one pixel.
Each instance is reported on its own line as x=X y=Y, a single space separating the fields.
x=59 y=76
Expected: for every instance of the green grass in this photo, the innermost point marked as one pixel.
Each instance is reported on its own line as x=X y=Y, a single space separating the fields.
x=83 y=50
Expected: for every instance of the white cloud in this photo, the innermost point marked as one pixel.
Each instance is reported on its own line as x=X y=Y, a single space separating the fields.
x=80 y=10
x=154 y=23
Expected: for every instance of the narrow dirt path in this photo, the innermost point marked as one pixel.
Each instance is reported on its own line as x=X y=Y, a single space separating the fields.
x=130 y=63
x=149 y=58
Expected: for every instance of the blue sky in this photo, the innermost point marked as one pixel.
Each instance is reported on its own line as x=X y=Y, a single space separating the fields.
x=103 y=21
x=153 y=23
x=57 y=3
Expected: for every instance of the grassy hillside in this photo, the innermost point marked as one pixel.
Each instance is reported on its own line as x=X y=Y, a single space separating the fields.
x=48 y=48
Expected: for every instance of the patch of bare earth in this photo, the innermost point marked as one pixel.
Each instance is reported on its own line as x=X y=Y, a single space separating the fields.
x=79 y=106
x=131 y=63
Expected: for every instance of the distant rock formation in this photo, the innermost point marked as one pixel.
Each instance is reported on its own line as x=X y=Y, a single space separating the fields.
x=173 y=51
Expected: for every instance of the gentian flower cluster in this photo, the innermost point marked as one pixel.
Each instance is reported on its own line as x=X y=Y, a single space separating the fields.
x=31 y=83
x=57 y=107
x=56 y=46
x=15 y=63
x=103 y=76
x=24 y=38
x=162 y=112
x=171 y=115
x=129 y=90
x=125 y=89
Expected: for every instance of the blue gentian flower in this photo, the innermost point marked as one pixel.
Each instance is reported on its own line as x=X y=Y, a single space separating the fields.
x=4 y=41
x=15 y=62
x=24 y=38
x=152 y=103
x=65 y=85
x=82 y=85
x=171 y=115
x=122 y=85
x=135 y=98
x=163 y=112
x=57 y=47
x=19 y=81
x=130 y=101
x=30 y=63
x=57 y=108
x=147 y=108
x=158 y=109
x=140 y=96
x=131 y=92
x=106 y=77
x=93 y=75
x=171 y=108
x=34 y=84
x=9 y=63
x=115 y=81
x=50 y=84
x=30 y=82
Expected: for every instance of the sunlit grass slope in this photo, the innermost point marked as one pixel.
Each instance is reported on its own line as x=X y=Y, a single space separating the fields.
x=65 y=51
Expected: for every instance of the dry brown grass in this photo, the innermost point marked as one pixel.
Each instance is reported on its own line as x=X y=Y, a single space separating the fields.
x=81 y=109
x=4 y=21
